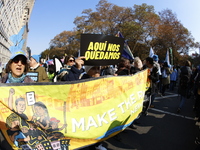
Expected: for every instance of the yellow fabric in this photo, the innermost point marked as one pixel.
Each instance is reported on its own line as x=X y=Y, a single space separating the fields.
x=93 y=111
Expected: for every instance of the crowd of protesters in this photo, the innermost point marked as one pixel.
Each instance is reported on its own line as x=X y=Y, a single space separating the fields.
x=162 y=76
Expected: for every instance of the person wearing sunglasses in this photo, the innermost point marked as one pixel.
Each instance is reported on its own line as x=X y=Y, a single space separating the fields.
x=72 y=68
x=16 y=69
x=69 y=61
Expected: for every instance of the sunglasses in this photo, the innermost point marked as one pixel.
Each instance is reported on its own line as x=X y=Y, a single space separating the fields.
x=17 y=59
x=71 y=60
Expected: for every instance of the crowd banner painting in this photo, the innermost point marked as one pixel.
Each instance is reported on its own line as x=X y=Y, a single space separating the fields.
x=68 y=115
x=98 y=47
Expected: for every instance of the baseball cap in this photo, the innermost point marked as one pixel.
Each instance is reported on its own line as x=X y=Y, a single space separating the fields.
x=16 y=53
x=36 y=57
x=155 y=57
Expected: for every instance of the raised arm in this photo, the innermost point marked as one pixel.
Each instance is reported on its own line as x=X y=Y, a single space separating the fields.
x=10 y=98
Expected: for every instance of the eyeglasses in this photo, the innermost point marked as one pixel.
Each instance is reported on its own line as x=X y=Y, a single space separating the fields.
x=70 y=60
x=17 y=59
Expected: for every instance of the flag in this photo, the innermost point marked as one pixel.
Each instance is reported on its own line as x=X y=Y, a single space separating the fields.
x=126 y=53
x=151 y=52
x=58 y=65
x=171 y=55
x=167 y=58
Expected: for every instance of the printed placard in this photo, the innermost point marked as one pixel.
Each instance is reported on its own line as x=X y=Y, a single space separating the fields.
x=101 y=49
x=30 y=96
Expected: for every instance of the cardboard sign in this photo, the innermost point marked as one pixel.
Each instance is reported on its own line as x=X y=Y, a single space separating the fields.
x=101 y=50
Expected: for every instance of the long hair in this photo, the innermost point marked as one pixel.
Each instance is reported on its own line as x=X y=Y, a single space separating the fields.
x=138 y=63
x=67 y=58
x=43 y=106
x=8 y=67
x=123 y=64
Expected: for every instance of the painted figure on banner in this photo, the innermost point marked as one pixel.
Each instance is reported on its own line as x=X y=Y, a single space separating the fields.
x=14 y=132
x=54 y=131
x=35 y=134
x=41 y=115
x=20 y=106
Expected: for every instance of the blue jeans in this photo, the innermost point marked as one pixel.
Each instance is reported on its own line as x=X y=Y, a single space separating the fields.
x=182 y=101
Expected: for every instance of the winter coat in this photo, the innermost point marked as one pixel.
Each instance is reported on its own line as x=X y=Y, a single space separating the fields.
x=166 y=77
x=72 y=74
x=173 y=75
x=154 y=78
x=42 y=74
x=183 y=90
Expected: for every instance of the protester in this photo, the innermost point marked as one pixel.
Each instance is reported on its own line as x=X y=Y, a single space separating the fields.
x=153 y=76
x=3 y=72
x=36 y=71
x=194 y=79
x=123 y=68
x=158 y=83
x=72 y=73
x=107 y=70
x=161 y=63
x=185 y=75
x=69 y=61
x=197 y=96
x=91 y=72
x=138 y=66
x=51 y=72
x=156 y=59
x=16 y=69
x=166 y=71
x=15 y=72
x=173 y=78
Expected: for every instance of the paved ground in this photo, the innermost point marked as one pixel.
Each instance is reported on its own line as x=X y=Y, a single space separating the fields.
x=162 y=129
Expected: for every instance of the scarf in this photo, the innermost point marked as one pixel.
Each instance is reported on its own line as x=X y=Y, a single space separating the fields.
x=11 y=79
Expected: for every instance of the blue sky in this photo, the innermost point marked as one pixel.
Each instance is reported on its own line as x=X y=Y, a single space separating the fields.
x=51 y=17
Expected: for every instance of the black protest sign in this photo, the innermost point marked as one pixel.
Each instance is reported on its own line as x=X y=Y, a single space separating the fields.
x=101 y=50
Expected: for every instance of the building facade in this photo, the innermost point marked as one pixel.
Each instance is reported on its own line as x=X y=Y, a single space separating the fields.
x=14 y=18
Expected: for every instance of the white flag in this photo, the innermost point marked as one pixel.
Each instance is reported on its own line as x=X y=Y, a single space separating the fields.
x=167 y=58
x=151 y=53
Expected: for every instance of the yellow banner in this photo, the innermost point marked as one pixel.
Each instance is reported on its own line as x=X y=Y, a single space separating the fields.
x=74 y=114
